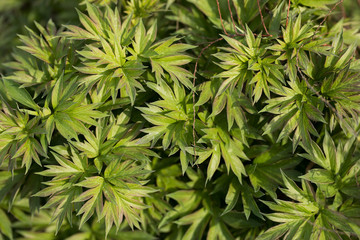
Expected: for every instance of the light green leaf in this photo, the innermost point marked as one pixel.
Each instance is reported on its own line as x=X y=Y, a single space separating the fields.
x=319 y=176
x=19 y=94
x=5 y=225
x=317 y=3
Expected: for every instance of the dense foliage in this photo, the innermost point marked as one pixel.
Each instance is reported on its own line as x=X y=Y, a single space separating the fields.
x=197 y=119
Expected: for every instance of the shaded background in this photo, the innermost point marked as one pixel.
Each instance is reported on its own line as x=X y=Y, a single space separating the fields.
x=16 y=14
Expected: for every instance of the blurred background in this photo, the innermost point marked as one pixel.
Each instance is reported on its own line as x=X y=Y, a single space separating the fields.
x=16 y=14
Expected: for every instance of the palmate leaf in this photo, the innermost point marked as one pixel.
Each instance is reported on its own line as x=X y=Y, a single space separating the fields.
x=69 y=111
x=207 y=91
x=295 y=110
x=308 y=218
x=93 y=197
x=27 y=70
x=223 y=145
x=172 y=117
x=188 y=201
x=264 y=171
x=117 y=64
x=47 y=48
x=44 y=57
x=18 y=139
x=116 y=195
x=106 y=60
x=333 y=79
x=92 y=23
x=248 y=63
x=164 y=56
x=296 y=43
x=340 y=167
x=169 y=57
x=340 y=89
x=114 y=139
x=61 y=189
x=105 y=65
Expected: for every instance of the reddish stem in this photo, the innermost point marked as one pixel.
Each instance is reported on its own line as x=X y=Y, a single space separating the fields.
x=287 y=15
x=222 y=23
x=231 y=15
x=262 y=17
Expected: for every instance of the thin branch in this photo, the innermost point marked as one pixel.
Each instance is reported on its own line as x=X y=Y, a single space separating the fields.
x=238 y=17
x=287 y=14
x=262 y=18
x=222 y=23
x=327 y=15
x=231 y=15
x=193 y=93
x=309 y=166
x=343 y=12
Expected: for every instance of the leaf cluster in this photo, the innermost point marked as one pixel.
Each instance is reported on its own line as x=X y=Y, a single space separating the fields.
x=124 y=124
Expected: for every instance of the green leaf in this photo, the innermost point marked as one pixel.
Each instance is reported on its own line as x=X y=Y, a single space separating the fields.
x=232 y=196
x=198 y=221
x=19 y=94
x=274 y=232
x=214 y=162
x=5 y=225
x=276 y=19
x=293 y=190
x=317 y=3
x=249 y=203
x=319 y=176
x=218 y=230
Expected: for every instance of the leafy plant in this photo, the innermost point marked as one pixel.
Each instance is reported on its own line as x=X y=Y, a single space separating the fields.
x=154 y=119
